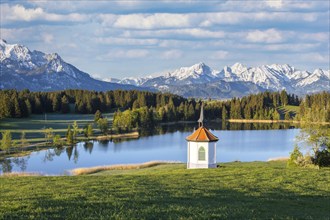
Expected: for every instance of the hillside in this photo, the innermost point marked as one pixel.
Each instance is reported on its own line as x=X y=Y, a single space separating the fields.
x=291 y=109
x=257 y=190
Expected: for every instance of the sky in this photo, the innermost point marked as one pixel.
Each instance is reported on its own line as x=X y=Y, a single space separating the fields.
x=117 y=39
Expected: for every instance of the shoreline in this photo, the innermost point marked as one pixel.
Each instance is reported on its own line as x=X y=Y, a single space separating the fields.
x=26 y=150
x=80 y=171
x=273 y=121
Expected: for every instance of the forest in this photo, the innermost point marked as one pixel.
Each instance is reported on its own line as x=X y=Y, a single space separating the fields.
x=135 y=109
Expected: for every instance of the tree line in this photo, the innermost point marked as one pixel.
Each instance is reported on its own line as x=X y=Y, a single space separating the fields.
x=18 y=104
x=141 y=106
x=315 y=108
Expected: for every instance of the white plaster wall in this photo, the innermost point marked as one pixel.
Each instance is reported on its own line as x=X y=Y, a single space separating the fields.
x=210 y=160
x=212 y=153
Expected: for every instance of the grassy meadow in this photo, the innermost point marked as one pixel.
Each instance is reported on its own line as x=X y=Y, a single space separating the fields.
x=34 y=125
x=293 y=110
x=255 y=190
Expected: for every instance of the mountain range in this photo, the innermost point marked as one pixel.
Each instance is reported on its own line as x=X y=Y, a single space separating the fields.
x=37 y=71
x=201 y=81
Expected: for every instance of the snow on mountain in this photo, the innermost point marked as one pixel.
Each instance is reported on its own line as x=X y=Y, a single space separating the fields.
x=196 y=74
x=196 y=71
x=37 y=71
x=273 y=77
x=134 y=81
x=317 y=75
x=113 y=80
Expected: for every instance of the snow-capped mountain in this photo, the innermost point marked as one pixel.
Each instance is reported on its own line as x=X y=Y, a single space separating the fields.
x=37 y=71
x=138 y=81
x=200 y=80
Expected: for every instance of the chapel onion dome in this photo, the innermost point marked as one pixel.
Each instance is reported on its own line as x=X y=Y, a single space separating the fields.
x=202 y=134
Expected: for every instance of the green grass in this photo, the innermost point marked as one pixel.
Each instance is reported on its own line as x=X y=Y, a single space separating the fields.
x=257 y=190
x=292 y=109
x=34 y=125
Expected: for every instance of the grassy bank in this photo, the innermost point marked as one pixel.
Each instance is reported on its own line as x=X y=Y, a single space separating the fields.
x=257 y=190
x=34 y=125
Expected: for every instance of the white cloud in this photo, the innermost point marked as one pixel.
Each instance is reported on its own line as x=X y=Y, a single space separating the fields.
x=20 y=13
x=275 y=3
x=176 y=33
x=149 y=21
x=290 y=47
x=221 y=54
x=47 y=38
x=172 y=54
x=321 y=37
x=315 y=57
x=267 y=36
x=121 y=53
x=126 y=41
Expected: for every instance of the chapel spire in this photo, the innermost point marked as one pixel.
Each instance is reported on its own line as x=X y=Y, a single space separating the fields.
x=201 y=117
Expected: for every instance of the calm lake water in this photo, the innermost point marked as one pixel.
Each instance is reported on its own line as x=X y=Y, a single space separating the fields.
x=164 y=144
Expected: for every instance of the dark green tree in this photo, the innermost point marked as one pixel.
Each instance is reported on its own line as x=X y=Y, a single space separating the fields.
x=103 y=125
x=65 y=108
x=97 y=116
x=69 y=136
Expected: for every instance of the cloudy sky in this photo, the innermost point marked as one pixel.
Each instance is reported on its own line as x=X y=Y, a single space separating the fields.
x=139 y=38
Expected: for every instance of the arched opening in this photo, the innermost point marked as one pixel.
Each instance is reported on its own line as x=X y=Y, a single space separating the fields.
x=201 y=153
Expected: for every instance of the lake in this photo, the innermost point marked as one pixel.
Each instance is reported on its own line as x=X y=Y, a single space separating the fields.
x=238 y=142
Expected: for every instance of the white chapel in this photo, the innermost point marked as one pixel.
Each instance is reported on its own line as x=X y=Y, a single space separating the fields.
x=201 y=147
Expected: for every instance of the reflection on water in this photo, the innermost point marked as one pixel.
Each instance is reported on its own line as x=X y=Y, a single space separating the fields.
x=88 y=146
x=6 y=165
x=244 y=142
x=224 y=125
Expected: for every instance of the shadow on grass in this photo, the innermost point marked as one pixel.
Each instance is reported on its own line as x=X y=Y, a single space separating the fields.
x=158 y=197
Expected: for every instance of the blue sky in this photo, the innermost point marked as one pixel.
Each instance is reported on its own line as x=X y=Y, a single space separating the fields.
x=138 y=38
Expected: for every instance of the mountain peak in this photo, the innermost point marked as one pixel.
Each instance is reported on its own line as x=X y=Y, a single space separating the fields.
x=53 y=56
x=3 y=41
x=237 y=65
x=14 y=51
x=238 y=68
x=199 y=65
x=37 y=71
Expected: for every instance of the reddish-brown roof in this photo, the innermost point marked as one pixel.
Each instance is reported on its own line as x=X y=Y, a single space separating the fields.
x=202 y=134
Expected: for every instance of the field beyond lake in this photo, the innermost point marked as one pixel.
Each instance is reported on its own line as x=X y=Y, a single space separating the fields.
x=253 y=190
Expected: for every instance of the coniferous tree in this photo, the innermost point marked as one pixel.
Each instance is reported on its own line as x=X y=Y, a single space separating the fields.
x=49 y=134
x=56 y=104
x=103 y=125
x=24 y=142
x=65 y=108
x=69 y=136
x=6 y=142
x=97 y=115
x=284 y=98
x=89 y=130
x=287 y=116
x=28 y=107
x=57 y=140
x=16 y=111
x=75 y=128
x=224 y=113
